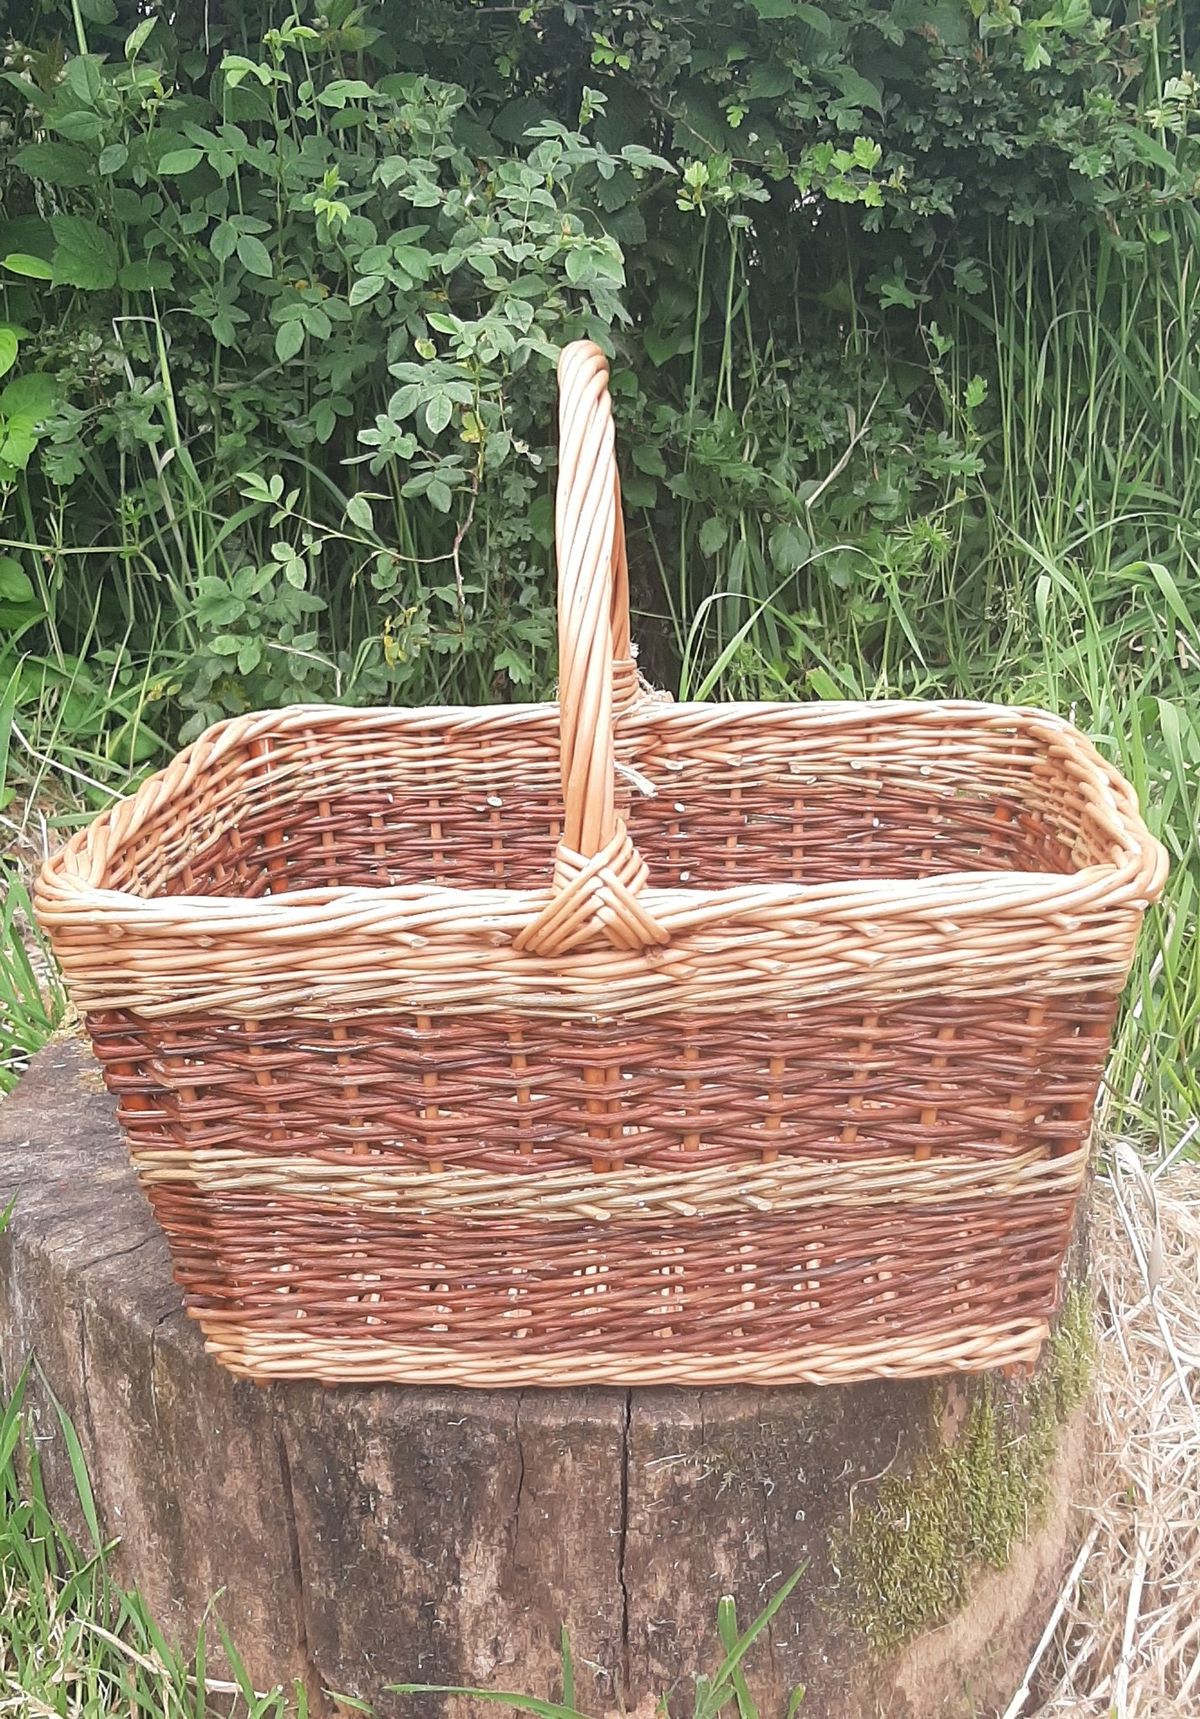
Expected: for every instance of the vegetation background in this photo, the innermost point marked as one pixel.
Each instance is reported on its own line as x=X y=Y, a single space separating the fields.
x=903 y=306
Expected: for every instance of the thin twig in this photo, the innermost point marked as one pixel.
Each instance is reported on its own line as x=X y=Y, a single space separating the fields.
x=1017 y=1705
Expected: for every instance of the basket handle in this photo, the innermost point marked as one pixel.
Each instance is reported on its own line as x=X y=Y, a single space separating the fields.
x=598 y=872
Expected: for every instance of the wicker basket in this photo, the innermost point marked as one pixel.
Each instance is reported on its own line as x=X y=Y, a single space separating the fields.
x=784 y=1075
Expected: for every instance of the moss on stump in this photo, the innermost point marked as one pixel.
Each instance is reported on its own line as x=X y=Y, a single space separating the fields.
x=911 y=1554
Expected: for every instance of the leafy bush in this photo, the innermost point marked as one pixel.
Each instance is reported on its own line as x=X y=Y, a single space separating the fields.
x=223 y=251
x=217 y=287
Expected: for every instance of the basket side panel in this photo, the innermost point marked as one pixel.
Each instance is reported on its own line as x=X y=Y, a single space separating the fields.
x=273 y=1282
x=711 y=797
x=979 y=1078
x=230 y=1123
x=356 y=805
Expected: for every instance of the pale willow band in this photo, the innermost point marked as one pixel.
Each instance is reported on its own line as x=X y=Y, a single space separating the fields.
x=565 y=1196
x=965 y=1349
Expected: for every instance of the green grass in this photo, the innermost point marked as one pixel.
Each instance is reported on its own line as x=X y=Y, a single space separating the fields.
x=32 y=1001
x=73 y=1642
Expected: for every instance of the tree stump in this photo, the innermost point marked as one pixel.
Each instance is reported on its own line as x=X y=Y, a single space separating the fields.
x=361 y=1537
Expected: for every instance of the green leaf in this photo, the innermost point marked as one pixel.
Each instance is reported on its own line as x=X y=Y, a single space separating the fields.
x=315 y=321
x=342 y=90
x=1175 y=599
x=84 y=255
x=81 y=75
x=861 y=91
x=662 y=345
x=55 y=164
x=254 y=256
x=440 y=495
x=568 y=1667
x=137 y=38
x=541 y=520
x=149 y=274
x=28 y=234
x=35 y=268
x=639 y=491
x=866 y=152
x=810 y=15
x=438 y=413
x=893 y=291
x=15 y=584
x=1148 y=149
x=255 y=487
x=720 y=1685
x=180 y=160
x=647 y=457
x=596 y=259
x=412 y=260
x=358 y=512
x=18 y=439
x=113 y=157
x=83 y=1488
x=770 y=79
x=790 y=547
x=727 y=1630
x=224 y=241
x=235 y=67
x=969 y=276
x=8 y=350
x=34 y=395
x=713 y=534
x=289 y=338
x=81 y=125
x=366 y=288
x=26 y=89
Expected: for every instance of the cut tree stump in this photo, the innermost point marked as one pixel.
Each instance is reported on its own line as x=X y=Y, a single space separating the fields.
x=360 y=1537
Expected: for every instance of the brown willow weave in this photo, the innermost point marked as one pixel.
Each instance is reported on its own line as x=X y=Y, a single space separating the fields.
x=783 y=1072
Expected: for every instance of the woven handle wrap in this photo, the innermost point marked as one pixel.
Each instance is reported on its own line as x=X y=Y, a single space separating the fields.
x=597 y=870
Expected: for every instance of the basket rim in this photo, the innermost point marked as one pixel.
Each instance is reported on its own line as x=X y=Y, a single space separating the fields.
x=71 y=881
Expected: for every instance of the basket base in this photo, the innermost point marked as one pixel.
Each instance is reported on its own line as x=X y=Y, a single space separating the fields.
x=969 y=1349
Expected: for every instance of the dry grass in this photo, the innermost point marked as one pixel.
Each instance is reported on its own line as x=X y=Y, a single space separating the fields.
x=1125 y=1642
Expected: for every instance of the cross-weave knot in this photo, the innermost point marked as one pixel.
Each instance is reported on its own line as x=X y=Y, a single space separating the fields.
x=594 y=899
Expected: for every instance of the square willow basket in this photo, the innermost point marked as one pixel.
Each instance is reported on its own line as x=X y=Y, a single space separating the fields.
x=616 y=1041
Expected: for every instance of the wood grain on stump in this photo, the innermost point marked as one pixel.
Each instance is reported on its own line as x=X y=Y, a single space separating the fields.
x=359 y=1537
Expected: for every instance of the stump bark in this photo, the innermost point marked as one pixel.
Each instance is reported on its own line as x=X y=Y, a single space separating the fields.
x=360 y=1537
